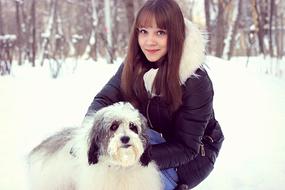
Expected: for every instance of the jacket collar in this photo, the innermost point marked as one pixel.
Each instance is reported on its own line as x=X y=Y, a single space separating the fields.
x=193 y=56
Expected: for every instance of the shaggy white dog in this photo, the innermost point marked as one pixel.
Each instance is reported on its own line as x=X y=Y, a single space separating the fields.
x=106 y=153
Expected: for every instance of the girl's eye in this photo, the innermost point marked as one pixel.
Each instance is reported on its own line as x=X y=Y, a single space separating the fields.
x=161 y=32
x=133 y=127
x=142 y=31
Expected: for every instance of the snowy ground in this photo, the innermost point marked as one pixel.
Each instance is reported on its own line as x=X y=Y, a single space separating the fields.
x=251 y=109
x=250 y=106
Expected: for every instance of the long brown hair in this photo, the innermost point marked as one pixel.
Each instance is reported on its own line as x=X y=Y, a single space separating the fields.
x=168 y=16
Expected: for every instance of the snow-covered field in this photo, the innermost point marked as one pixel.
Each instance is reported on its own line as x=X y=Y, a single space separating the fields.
x=249 y=104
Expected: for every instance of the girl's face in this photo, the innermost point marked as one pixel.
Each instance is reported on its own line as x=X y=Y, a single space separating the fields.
x=153 y=41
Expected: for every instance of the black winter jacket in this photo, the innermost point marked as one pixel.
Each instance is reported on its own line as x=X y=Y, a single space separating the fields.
x=183 y=130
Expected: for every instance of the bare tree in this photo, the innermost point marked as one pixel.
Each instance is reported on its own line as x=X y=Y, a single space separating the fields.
x=272 y=9
x=281 y=53
x=261 y=22
x=129 y=4
x=115 y=28
x=102 y=32
x=34 y=42
x=92 y=42
x=108 y=21
x=208 y=22
x=220 y=30
x=48 y=31
x=235 y=29
x=19 y=32
x=279 y=38
x=1 y=19
x=138 y=3
x=219 y=22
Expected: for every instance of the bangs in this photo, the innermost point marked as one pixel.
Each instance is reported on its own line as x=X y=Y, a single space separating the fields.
x=145 y=19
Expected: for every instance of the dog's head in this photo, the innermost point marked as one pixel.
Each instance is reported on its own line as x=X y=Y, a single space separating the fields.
x=117 y=135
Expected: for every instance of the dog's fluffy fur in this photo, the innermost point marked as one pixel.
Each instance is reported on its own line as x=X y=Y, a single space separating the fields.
x=106 y=153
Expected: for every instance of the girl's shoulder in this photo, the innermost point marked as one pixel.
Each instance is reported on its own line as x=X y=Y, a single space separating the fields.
x=200 y=81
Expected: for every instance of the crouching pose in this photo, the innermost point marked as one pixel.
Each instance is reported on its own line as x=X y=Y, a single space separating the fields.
x=107 y=153
x=163 y=76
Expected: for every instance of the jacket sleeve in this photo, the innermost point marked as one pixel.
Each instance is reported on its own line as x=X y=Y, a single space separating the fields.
x=190 y=123
x=109 y=94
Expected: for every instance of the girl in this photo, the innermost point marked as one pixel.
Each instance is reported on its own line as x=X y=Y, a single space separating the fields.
x=163 y=77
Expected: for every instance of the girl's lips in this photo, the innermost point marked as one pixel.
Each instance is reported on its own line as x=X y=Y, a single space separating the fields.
x=152 y=51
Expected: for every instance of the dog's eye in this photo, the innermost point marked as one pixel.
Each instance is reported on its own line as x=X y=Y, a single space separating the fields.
x=114 y=126
x=133 y=127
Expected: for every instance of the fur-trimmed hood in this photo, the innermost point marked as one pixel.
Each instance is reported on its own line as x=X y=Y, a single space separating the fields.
x=192 y=58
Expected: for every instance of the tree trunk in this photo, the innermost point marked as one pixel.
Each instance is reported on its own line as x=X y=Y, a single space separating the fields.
x=140 y=3
x=278 y=37
x=129 y=4
x=272 y=5
x=91 y=49
x=26 y=34
x=1 y=20
x=235 y=29
x=19 y=33
x=260 y=31
x=108 y=21
x=208 y=23
x=282 y=36
x=48 y=31
x=220 y=30
x=34 y=43
x=59 y=35
x=115 y=28
x=18 y=19
x=108 y=26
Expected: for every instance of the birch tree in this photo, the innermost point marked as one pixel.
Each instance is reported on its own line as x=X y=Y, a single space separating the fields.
x=1 y=19
x=129 y=4
x=208 y=23
x=272 y=10
x=48 y=31
x=108 y=28
x=92 y=42
x=224 y=22
x=34 y=42
x=261 y=20
x=235 y=29
x=19 y=31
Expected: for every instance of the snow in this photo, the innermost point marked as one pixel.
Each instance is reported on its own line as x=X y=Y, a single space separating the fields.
x=8 y=37
x=249 y=105
x=251 y=109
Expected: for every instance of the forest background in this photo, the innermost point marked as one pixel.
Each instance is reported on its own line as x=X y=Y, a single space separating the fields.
x=53 y=56
x=37 y=31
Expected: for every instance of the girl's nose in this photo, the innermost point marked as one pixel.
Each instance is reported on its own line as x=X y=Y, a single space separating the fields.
x=150 y=39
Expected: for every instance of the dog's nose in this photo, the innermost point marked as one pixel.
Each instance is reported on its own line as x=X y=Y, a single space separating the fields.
x=125 y=139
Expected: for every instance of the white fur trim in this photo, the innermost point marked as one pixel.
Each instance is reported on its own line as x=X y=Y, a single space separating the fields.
x=149 y=78
x=193 y=54
x=192 y=58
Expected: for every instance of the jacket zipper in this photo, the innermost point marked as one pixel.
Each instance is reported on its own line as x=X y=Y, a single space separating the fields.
x=208 y=139
x=147 y=114
x=202 y=149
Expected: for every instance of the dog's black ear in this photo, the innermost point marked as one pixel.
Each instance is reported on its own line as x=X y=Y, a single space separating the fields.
x=93 y=152
x=145 y=157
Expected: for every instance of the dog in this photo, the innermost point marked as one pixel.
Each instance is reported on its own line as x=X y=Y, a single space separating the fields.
x=109 y=152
